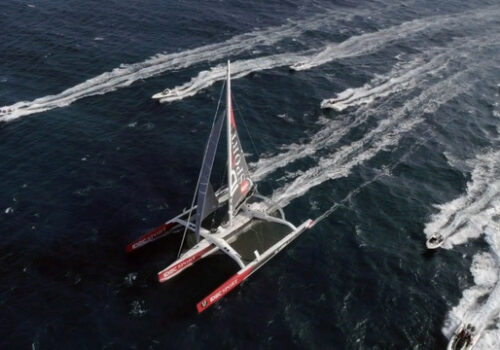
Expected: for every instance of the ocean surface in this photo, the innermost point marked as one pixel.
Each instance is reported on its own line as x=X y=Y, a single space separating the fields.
x=89 y=162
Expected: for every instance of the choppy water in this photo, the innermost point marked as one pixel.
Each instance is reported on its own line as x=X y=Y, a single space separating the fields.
x=88 y=162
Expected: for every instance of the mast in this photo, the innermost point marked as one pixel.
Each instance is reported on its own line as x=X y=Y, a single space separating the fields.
x=229 y=153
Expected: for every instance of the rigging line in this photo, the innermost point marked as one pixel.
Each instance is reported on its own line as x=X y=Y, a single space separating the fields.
x=246 y=127
x=420 y=142
x=385 y=170
x=198 y=181
x=222 y=177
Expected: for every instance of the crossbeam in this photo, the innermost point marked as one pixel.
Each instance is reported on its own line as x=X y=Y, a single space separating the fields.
x=263 y=216
x=223 y=246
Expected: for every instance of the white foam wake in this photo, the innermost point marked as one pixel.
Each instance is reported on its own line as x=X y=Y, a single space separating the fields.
x=466 y=216
x=371 y=42
x=129 y=73
x=406 y=76
x=354 y=46
x=403 y=77
x=480 y=304
x=239 y=69
x=388 y=133
x=475 y=213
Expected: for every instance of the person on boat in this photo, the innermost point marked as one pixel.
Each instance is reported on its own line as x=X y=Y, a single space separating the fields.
x=170 y=92
x=436 y=239
x=460 y=341
x=468 y=339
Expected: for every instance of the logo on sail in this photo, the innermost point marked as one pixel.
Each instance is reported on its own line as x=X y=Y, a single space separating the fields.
x=244 y=186
x=239 y=170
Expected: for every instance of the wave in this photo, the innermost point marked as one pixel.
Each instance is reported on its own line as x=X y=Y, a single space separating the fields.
x=239 y=69
x=371 y=42
x=480 y=304
x=471 y=215
x=386 y=134
x=354 y=46
x=466 y=216
x=411 y=74
x=405 y=76
x=127 y=74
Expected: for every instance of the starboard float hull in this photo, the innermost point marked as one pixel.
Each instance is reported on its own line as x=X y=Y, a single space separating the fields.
x=253 y=266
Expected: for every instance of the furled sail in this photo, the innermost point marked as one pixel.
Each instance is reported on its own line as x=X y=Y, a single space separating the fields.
x=206 y=200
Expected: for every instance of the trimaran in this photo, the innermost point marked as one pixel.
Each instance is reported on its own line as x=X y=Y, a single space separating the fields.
x=242 y=207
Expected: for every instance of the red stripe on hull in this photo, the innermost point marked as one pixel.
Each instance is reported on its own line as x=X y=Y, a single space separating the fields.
x=181 y=265
x=225 y=288
x=150 y=236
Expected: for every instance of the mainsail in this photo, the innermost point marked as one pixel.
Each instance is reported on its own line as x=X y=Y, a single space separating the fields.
x=206 y=201
x=239 y=177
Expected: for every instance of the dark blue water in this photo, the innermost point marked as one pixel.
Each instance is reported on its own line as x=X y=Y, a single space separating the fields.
x=101 y=163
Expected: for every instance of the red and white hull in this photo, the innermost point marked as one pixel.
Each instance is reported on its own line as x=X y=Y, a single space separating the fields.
x=253 y=266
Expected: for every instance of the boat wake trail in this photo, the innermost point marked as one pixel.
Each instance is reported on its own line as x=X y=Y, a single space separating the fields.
x=471 y=215
x=239 y=69
x=403 y=77
x=127 y=74
x=388 y=133
x=406 y=76
x=371 y=42
x=354 y=46
x=466 y=216
x=480 y=304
